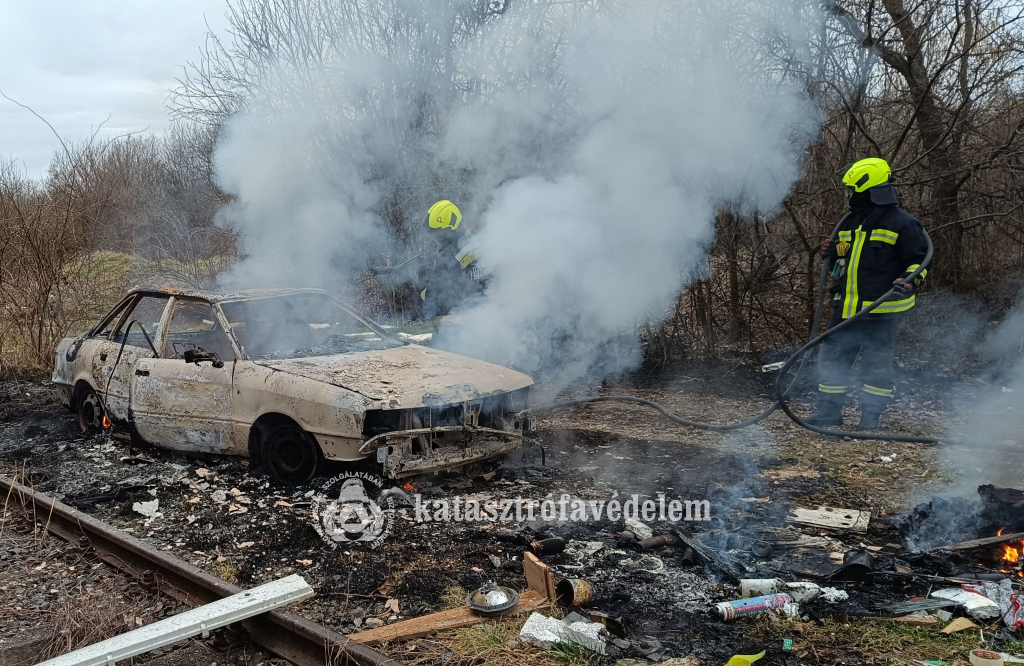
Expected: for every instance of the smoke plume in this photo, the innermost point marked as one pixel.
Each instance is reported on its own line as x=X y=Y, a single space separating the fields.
x=589 y=145
x=985 y=445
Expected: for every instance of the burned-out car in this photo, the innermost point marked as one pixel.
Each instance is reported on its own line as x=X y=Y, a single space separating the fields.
x=289 y=378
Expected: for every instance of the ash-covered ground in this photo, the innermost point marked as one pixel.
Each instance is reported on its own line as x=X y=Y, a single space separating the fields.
x=230 y=518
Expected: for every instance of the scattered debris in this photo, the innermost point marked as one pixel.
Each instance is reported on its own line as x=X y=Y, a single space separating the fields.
x=639 y=529
x=539 y=576
x=832 y=518
x=730 y=610
x=147 y=509
x=985 y=658
x=977 y=605
x=544 y=632
x=491 y=600
x=833 y=595
x=744 y=659
x=544 y=547
x=959 y=624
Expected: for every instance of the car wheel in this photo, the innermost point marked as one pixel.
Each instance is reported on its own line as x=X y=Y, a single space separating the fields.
x=290 y=454
x=90 y=412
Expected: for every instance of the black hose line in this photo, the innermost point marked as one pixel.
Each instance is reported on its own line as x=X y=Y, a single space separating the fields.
x=782 y=394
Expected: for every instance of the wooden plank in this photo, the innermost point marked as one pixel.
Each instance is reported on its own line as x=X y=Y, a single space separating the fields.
x=832 y=518
x=455 y=618
x=539 y=576
x=980 y=543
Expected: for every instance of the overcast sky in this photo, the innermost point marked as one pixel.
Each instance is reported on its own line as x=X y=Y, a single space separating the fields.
x=75 y=62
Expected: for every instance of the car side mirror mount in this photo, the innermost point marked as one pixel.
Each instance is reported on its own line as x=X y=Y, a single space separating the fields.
x=198 y=355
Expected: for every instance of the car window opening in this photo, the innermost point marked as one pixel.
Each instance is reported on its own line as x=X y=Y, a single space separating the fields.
x=298 y=326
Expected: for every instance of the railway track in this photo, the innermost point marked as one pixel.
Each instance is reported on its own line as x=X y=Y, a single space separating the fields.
x=286 y=634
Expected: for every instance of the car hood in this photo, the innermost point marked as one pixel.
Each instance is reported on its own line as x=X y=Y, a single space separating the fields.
x=408 y=376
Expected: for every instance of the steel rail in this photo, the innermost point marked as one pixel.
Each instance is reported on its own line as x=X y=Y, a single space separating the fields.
x=286 y=634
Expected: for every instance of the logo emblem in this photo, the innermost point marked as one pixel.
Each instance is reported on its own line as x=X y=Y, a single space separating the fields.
x=353 y=508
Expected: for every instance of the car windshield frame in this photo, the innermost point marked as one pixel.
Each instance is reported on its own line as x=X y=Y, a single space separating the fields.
x=391 y=339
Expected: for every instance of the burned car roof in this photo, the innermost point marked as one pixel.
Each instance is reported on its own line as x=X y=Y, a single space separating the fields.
x=221 y=297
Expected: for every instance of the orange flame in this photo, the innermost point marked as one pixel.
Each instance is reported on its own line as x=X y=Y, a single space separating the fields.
x=106 y=421
x=408 y=487
x=1011 y=554
x=1000 y=532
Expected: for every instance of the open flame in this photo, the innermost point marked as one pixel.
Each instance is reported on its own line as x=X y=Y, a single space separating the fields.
x=408 y=487
x=106 y=421
x=1011 y=554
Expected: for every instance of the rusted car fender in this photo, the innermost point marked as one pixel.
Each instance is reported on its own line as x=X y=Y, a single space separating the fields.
x=331 y=414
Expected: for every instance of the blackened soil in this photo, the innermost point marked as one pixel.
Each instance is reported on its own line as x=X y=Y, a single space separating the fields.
x=230 y=518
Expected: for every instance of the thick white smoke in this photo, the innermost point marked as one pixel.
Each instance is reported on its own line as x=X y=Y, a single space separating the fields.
x=588 y=143
x=985 y=445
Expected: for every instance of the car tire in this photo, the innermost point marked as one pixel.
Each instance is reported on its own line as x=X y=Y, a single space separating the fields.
x=289 y=454
x=90 y=412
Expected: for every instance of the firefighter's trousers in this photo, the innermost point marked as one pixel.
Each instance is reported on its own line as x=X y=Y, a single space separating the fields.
x=872 y=338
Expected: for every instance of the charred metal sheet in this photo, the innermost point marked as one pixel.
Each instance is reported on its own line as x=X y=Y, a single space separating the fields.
x=399 y=458
x=409 y=376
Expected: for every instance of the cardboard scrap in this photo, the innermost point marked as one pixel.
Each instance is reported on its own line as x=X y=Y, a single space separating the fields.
x=914 y=620
x=832 y=518
x=959 y=624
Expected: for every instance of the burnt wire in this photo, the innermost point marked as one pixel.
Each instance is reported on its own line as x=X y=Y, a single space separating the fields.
x=781 y=392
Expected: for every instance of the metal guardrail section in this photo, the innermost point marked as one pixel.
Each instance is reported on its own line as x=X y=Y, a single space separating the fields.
x=285 y=634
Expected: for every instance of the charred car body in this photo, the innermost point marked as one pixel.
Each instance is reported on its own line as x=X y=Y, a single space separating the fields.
x=289 y=378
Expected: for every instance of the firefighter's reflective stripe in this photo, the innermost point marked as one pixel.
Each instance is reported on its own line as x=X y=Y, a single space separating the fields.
x=885 y=236
x=892 y=306
x=913 y=267
x=874 y=390
x=846 y=236
x=852 y=294
x=825 y=388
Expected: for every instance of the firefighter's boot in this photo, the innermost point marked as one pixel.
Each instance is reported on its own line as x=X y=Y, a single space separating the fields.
x=869 y=419
x=828 y=410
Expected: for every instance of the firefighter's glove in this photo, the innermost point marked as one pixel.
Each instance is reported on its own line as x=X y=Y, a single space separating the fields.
x=902 y=288
x=825 y=246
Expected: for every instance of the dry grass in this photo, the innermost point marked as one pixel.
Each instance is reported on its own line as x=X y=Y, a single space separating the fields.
x=86 y=601
x=453 y=597
x=224 y=570
x=495 y=642
x=875 y=641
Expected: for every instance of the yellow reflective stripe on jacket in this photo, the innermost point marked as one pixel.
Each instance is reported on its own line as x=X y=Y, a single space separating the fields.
x=874 y=390
x=913 y=267
x=845 y=235
x=885 y=236
x=892 y=306
x=852 y=294
x=824 y=388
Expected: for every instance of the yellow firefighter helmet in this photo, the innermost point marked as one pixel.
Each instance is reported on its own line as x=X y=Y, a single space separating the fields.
x=444 y=215
x=867 y=173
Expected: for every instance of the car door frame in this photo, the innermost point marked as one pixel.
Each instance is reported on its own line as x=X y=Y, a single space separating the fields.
x=113 y=363
x=185 y=406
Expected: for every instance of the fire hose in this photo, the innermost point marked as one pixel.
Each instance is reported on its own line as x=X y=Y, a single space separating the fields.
x=781 y=389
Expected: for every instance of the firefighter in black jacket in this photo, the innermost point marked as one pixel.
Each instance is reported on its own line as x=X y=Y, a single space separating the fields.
x=447 y=269
x=878 y=246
